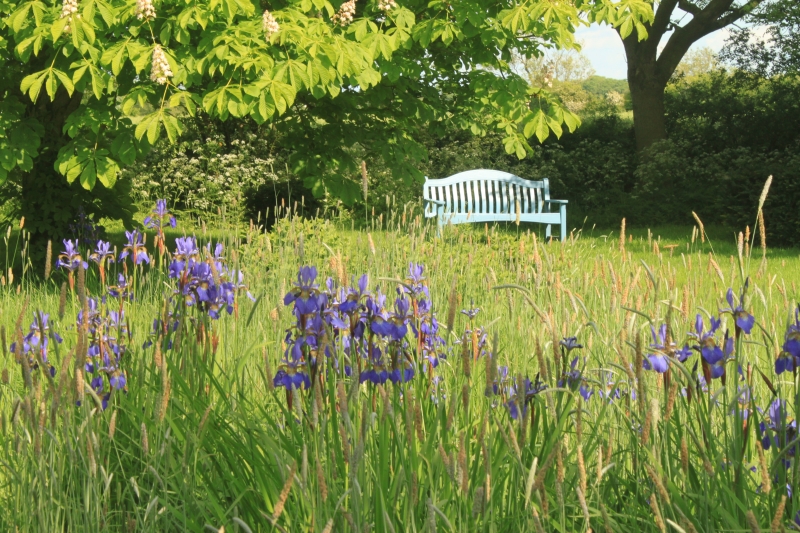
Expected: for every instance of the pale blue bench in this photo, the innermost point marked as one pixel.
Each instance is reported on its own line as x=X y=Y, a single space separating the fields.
x=490 y=196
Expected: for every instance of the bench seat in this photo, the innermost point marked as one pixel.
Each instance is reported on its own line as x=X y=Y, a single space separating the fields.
x=492 y=196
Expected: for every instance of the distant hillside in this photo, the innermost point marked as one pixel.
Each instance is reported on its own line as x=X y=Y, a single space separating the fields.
x=600 y=86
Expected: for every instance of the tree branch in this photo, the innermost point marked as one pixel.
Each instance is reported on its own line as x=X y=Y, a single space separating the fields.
x=661 y=19
x=736 y=14
x=689 y=7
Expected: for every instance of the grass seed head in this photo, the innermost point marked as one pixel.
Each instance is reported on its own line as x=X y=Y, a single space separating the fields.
x=284 y=495
x=764 y=192
x=766 y=480
x=581 y=468
x=48 y=260
x=112 y=425
x=657 y=514
x=477 y=502
x=700 y=226
x=752 y=522
x=776 y=526
x=582 y=501
x=145 y=440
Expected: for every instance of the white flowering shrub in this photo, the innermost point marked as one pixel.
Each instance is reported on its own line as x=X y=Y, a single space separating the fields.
x=202 y=175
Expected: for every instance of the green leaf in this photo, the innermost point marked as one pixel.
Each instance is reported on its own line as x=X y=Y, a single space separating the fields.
x=150 y=125
x=571 y=120
x=57 y=29
x=115 y=56
x=537 y=125
x=98 y=82
x=32 y=84
x=124 y=148
x=51 y=85
x=89 y=176
x=107 y=170
x=626 y=28
x=173 y=127
x=73 y=169
x=65 y=80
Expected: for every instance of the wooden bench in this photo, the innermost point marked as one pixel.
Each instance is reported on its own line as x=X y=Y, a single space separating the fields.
x=490 y=196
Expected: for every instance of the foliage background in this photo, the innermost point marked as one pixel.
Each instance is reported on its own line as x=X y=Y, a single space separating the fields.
x=728 y=132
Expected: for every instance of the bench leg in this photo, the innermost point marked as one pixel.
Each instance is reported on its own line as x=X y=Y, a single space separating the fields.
x=563 y=222
x=548 y=230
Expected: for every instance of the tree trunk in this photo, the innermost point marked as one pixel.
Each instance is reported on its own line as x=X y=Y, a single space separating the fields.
x=647 y=86
x=48 y=202
x=649 y=124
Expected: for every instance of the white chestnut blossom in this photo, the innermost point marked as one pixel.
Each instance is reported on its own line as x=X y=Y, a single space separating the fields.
x=145 y=10
x=160 y=71
x=270 y=25
x=386 y=5
x=345 y=14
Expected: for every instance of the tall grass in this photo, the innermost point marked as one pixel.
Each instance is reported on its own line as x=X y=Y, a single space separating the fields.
x=203 y=439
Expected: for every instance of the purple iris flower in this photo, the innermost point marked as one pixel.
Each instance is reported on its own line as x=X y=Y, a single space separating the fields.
x=292 y=371
x=305 y=292
x=416 y=281
x=216 y=298
x=159 y=214
x=573 y=380
x=70 y=258
x=785 y=362
x=395 y=325
x=102 y=252
x=498 y=382
x=135 y=248
x=185 y=248
x=789 y=358
x=744 y=320
x=121 y=290
x=778 y=429
x=376 y=372
x=351 y=302
x=218 y=249
x=663 y=350
x=707 y=346
x=657 y=362
x=570 y=343
x=718 y=368
x=37 y=341
x=611 y=391
x=472 y=312
x=518 y=402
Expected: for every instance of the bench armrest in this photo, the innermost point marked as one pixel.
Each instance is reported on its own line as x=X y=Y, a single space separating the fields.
x=563 y=202
x=437 y=202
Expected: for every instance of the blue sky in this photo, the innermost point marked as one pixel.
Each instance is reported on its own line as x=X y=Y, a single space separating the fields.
x=602 y=46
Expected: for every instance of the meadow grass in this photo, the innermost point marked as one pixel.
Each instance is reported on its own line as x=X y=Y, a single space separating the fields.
x=202 y=439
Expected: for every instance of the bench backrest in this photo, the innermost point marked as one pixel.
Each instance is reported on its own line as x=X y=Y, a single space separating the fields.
x=486 y=192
